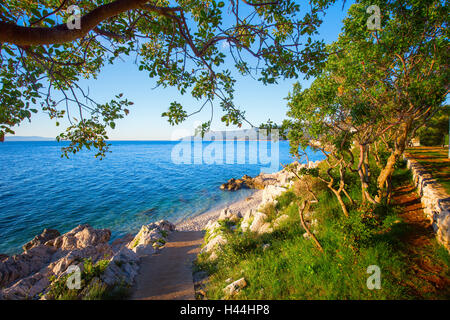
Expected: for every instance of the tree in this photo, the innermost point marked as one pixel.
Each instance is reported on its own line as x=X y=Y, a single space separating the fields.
x=44 y=54
x=319 y=123
x=379 y=86
x=433 y=133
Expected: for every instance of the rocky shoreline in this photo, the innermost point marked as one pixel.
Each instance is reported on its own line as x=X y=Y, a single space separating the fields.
x=47 y=257
x=266 y=185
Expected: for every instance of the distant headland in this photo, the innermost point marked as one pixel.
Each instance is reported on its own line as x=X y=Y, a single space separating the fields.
x=28 y=138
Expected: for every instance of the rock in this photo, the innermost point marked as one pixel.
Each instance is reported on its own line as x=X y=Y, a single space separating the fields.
x=234 y=287
x=200 y=279
x=211 y=226
x=144 y=242
x=27 y=275
x=80 y=237
x=270 y=193
x=199 y=276
x=254 y=183
x=265 y=228
x=164 y=225
x=285 y=179
x=233 y=184
x=213 y=243
x=278 y=221
x=3 y=257
x=123 y=268
x=26 y=288
x=33 y=268
x=258 y=221
x=227 y=214
x=46 y=235
x=245 y=223
x=19 y=266
x=119 y=243
x=74 y=257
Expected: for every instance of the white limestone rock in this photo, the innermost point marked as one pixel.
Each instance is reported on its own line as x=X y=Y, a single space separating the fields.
x=258 y=222
x=213 y=243
x=235 y=287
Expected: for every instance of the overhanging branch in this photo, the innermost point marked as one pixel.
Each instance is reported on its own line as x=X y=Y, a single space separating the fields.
x=29 y=36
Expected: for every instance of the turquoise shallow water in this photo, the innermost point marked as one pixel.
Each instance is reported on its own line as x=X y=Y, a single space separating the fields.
x=135 y=184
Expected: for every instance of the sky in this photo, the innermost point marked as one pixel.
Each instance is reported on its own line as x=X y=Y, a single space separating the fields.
x=144 y=122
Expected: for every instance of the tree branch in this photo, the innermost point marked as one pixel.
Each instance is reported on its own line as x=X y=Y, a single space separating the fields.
x=29 y=36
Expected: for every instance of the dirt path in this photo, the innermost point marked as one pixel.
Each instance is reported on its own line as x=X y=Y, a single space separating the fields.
x=168 y=274
x=430 y=276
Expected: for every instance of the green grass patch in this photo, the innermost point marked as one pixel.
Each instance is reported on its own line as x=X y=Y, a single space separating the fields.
x=292 y=267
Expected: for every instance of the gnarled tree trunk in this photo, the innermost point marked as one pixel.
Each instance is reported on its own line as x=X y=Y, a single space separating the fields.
x=388 y=170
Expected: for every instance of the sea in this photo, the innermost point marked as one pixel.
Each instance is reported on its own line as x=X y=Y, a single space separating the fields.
x=138 y=182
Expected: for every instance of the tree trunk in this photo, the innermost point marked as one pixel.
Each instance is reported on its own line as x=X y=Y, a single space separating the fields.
x=341 y=202
x=386 y=172
x=363 y=171
x=305 y=206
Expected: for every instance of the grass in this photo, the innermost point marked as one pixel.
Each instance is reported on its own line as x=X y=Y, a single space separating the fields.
x=435 y=160
x=293 y=268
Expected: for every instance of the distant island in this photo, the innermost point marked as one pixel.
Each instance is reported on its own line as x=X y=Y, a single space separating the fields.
x=239 y=135
x=28 y=138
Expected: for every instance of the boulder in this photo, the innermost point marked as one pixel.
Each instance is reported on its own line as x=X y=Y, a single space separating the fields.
x=234 y=287
x=213 y=256
x=233 y=184
x=149 y=235
x=163 y=225
x=258 y=222
x=123 y=268
x=26 y=275
x=46 y=235
x=254 y=183
x=228 y=214
x=213 y=243
x=245 y=223
x=80 y=237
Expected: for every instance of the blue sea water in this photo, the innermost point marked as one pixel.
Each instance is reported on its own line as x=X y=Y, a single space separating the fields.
x=137 y=183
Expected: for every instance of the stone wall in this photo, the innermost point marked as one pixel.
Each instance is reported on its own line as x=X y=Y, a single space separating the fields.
x=435 y=201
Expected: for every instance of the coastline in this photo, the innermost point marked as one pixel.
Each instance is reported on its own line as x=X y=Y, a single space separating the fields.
x=198 y=223
x=48 y=255
x=270 y=185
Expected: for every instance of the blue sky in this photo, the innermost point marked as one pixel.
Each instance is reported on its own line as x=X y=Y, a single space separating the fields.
x=145 y=122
